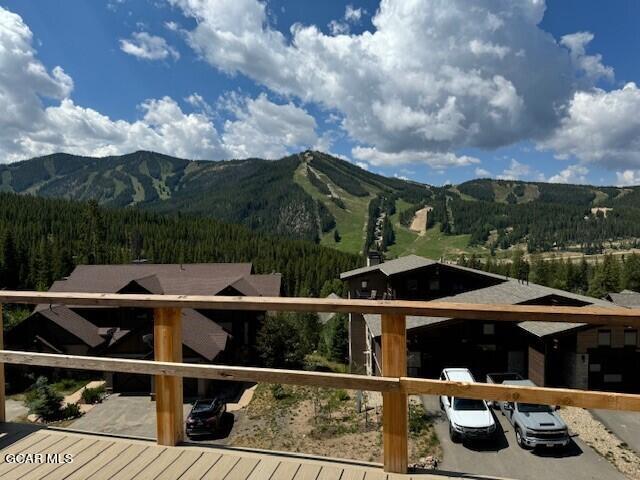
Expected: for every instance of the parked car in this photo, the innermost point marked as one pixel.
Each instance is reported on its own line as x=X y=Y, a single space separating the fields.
x=469 y=419
x=535 y=425
x=205 y=417
x=499 y=378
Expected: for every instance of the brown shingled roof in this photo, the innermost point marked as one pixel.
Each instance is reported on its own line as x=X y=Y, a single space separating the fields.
x=203 y=336
x=171 y=279
x=73 y=323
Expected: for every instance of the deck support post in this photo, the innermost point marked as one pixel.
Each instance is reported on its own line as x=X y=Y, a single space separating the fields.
x=167 y=342
x=2 y=404
x=394 y=405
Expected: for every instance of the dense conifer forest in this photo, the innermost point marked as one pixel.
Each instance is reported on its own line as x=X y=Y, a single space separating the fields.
x=611 y=273
x=43 y=239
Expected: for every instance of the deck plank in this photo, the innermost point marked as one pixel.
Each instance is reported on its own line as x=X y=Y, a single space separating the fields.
x=77 y=449
x=109 y=458
x=377 y=475
x=330 y=472
x=201 y=466
x=29 y=445
x=264 y=469
x=100 y=460
x=126 y=466
x=243 y=468
x=222 y=467
x=25 y=442
x=307 y=472
x=181 y=465
x=25 y=470
x=164 y=461
x=352 y=474
x=286 y=470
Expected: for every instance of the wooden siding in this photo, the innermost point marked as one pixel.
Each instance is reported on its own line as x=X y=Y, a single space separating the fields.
x=536 y=366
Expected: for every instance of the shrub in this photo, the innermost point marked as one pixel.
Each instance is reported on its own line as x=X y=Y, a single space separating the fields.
x=93 y=395
x=342 y=395
x=418 y=420
x=278 y=391
x=71 y=410
x=43 y=401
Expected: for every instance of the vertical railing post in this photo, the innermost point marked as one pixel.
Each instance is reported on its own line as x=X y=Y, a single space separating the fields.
x=394 y=405
x=167 y=342
x=3 y=417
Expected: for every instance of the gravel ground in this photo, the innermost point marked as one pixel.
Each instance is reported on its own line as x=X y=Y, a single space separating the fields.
x=594 y=434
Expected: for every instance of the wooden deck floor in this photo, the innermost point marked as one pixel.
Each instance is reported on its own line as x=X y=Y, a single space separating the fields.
x=99 y=457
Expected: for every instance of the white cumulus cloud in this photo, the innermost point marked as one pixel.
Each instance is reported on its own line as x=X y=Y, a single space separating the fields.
x=433 y=76
x=148 y=47
x=571 y=174
x=628 y=178
x=515 y=171
x=436 y=160
x=266 y=129
x=258 y=126
x=601 y=127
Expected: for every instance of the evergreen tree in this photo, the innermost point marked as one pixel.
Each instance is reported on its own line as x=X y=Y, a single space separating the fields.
x=631 y=275
x=9 y=272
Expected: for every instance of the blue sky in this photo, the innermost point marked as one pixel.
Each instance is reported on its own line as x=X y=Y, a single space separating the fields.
x=429 y=90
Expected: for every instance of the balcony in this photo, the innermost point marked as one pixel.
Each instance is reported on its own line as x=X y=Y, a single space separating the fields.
x=110 y=457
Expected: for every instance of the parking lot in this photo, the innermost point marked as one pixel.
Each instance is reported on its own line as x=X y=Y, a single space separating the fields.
x=504 y=458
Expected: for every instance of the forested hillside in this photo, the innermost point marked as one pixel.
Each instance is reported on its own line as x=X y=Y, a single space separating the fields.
x=498 y=214
x=317 y=197
x=259 y=194
x=43 y=239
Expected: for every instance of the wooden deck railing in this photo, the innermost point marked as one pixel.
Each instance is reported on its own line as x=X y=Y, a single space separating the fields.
x=394 y=385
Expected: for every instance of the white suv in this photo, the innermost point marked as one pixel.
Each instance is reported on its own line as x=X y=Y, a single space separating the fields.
x=468 y=419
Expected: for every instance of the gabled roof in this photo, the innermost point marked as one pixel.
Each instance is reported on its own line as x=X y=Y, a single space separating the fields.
x=510 y=292
x=324 y=317
x=72 y=322
x=392 y=267
x=626 y=298
x=170 y=279
x=202 y=335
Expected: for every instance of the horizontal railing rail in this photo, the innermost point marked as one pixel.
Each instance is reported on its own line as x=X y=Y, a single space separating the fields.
x=408 y=385
x=465 y=311
x=169 y=369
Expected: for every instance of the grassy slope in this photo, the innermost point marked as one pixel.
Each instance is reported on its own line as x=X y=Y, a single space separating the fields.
x=433 y=244
x=350 y=222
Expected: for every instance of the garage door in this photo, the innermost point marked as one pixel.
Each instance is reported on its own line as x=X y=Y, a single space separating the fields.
x=614 y=369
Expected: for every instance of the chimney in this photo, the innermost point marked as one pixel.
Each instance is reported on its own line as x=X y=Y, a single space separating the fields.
x=374 y=258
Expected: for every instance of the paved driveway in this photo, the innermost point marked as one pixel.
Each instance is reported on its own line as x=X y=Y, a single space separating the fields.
x=133 y=416
x=625 y=425
x=504 y=458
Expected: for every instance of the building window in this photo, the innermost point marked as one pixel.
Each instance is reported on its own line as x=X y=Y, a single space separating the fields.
x=604 y=338
x=488 y=329
x=630 y=338
x=612 y=378
x=364 y=285
x=412 y=285
x=595 y=367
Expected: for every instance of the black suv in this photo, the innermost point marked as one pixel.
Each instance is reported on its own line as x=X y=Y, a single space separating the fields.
x=205 y=417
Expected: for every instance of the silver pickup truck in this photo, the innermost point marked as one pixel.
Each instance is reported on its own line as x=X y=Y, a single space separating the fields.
x=535 y=425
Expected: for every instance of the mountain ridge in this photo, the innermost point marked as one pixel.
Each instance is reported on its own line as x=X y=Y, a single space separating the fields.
x=315 y=196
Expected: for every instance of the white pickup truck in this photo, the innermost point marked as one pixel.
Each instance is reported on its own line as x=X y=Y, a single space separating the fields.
x=469 y=419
